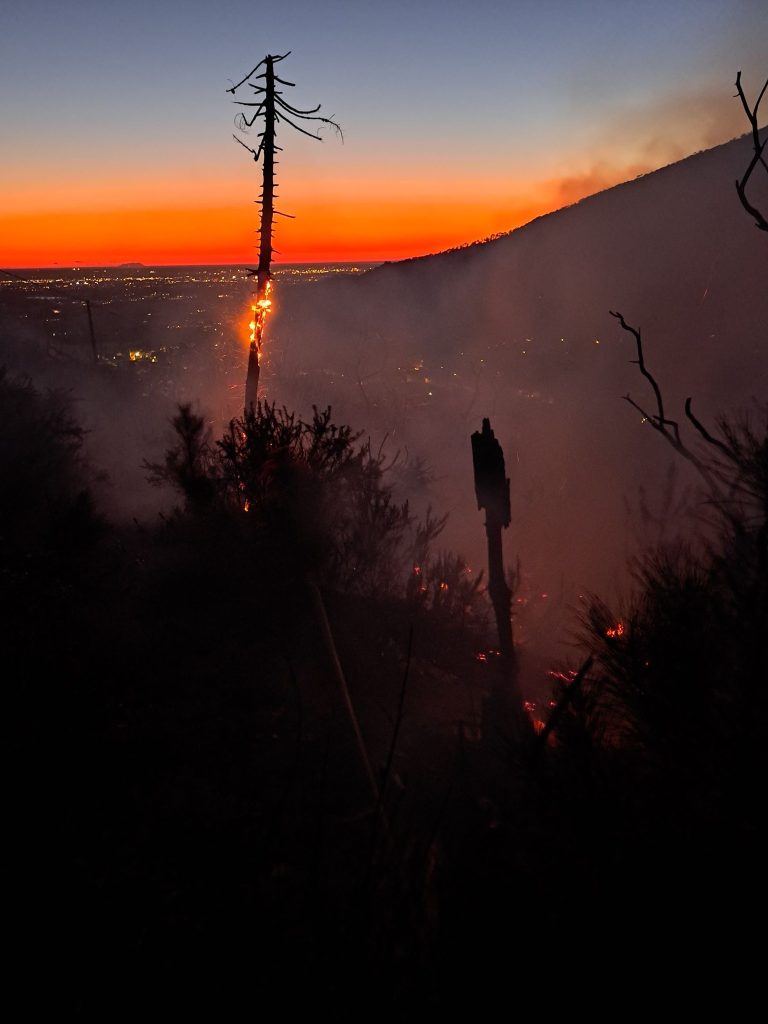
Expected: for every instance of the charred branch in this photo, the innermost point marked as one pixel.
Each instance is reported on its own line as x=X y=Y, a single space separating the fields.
x=758 y=157
x=295 y=110
x=256 y=152
x=669 y=429
x=284 y=117
x=273 y=59
x=640 y=361
x=699 y=426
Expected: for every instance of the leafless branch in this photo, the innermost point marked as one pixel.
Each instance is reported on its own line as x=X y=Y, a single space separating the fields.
x=703 y=430
x=242 y=123
x=295 y=110
x=741 y=185
x=669 y=429
x=250 y=150
x=251 y=73
x=659 y=418
x=319 y=138
x=647 y=417
x=243 y=80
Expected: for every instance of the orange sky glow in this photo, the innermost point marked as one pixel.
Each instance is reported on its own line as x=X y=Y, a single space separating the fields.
x=327 y=230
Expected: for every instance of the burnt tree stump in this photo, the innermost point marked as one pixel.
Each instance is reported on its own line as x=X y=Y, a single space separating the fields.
x=492 y=492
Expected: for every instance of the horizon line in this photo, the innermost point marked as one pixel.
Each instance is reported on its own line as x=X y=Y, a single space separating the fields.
x=126 y=265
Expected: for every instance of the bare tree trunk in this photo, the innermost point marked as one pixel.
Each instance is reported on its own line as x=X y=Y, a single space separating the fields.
x=501 y=595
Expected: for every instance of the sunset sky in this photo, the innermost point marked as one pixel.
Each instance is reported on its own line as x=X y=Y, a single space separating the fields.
x=460 y=119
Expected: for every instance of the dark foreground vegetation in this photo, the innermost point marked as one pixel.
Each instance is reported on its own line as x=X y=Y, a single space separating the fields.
x=193 y=826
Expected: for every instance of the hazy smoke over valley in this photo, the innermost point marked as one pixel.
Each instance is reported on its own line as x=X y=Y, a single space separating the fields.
x=517 y=329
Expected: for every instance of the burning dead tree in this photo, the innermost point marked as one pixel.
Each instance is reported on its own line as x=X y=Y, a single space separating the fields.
x=271 y=109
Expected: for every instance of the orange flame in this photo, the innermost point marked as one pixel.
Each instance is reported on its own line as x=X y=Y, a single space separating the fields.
x=615 y=631
x=260 y=309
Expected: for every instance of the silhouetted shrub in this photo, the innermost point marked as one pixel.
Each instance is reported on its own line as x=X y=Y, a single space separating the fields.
x=681 y=668
x=46 y=508
x=321 y=495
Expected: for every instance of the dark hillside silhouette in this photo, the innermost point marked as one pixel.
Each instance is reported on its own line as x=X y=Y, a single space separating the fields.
x=675 y=232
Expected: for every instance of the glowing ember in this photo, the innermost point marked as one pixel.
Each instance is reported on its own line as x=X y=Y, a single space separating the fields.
x=615 y=631
x=536 y=722
x=566 y=678
x=483 y=656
